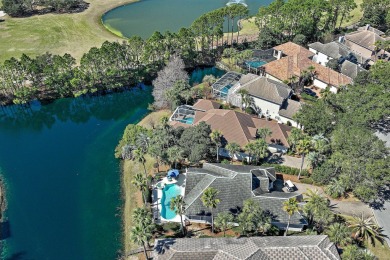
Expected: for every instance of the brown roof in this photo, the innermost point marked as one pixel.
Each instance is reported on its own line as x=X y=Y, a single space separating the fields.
x=205 y=105
x=239 y=127
x=286 y=67
x=290 y=48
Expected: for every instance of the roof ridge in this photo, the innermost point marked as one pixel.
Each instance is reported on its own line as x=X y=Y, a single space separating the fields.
x=213 y=179
x=239 y=122
x=306 y=257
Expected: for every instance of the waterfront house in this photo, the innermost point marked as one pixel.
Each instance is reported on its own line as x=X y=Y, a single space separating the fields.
x=235 y=126
x=293 y=60
x=317 y=247
x=237 y=183
x=268 y=98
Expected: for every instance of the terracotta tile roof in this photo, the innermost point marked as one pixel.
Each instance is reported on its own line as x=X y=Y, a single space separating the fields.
x=290 y=48
x=239 y=127
x=205 y=105
x=286 y=67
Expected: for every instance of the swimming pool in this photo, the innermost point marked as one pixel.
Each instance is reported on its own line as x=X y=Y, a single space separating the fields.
x=187 y=120
x=170 y=191
x=225 y=89
x=255 y=63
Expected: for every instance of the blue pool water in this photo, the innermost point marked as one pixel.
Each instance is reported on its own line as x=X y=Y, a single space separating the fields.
x=188 y=120
x=225 y=89
x=170 y=191
x=255 y=64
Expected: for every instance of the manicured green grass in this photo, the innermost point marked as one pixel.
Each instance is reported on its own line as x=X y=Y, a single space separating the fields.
x=356 y=15
x=57 y=33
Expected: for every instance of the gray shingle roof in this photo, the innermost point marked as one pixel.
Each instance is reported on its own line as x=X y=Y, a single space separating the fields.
x=289 y=108
x=350 y=69
x=268 y=89
x=235 y=185
x=334 y=50
x=292 y=247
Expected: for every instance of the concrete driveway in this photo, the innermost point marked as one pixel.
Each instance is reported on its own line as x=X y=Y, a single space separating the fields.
x=290 y=161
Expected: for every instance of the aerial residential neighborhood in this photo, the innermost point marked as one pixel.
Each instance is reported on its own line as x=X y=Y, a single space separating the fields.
x=226 y=129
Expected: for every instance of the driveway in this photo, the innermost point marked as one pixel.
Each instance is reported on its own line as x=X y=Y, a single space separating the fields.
x=345 y=207
x=290 y=161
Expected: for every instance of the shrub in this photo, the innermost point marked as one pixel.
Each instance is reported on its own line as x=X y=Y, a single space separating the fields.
x=286 y=169
x=335 y=189
x=171 y=226
x=325 y=173
x=225 y=161
x=308 y=97
x=307 y=180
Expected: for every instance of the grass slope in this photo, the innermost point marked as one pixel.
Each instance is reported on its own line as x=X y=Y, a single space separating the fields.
x=132 y=196
x=57 y=33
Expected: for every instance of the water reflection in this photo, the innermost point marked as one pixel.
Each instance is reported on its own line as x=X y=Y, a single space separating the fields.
x=36 y=116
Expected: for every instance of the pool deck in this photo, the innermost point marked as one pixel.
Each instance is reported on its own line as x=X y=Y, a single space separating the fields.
x=181 y=181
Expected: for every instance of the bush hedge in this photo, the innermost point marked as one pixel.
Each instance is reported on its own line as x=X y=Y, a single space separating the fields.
x=286 y=169
x=307 y=180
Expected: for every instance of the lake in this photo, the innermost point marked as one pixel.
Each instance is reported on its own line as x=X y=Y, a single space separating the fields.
x=63 y=182
x=147 y=16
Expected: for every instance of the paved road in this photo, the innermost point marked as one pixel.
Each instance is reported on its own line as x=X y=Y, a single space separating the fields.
x=383 y=218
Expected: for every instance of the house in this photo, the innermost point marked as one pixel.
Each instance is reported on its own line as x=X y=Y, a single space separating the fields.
x=237 y=183
x=335 y=51
x=235 y=126
x=293 y=60
x=350 y=69
x=363 y=41
x=316 y=247
x=267 y=96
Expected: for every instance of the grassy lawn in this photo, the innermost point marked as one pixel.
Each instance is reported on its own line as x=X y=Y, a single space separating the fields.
x=356 y=15
x=132 y=196
x=57 y=33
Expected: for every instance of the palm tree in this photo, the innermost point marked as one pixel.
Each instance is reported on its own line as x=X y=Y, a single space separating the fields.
x=261 y=149
x=141 y=183
x=335 y=189
x=295 y=135
x=178 y=204
x=232 y=148
x=303 y=147
x=210 y=200
x=139 y=156
x=339 y=234
x=139 y=215
x=209 y=80
x=245 y=98
x=224 y=221
x=250 y=148
x=263 y=132
x=140 y=236
x=216 y=137
x=142 y=142
x=175 y=153
x=291 y=207
x=365 y=229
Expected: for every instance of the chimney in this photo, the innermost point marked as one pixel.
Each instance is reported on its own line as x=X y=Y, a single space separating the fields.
x=341 y=39
x=367 y=27
x=280 y=53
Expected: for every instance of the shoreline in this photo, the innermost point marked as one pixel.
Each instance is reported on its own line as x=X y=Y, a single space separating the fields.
x=3 y=199
x=130 y=195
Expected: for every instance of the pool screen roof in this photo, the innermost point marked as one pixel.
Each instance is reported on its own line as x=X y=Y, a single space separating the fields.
x=229 y=78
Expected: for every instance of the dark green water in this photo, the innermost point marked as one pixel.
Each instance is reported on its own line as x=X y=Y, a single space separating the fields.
x=62 y=178
x=147 y=16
